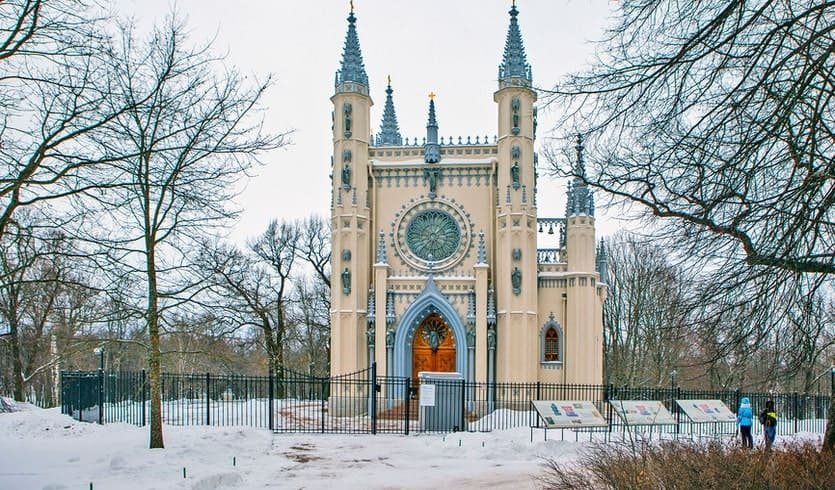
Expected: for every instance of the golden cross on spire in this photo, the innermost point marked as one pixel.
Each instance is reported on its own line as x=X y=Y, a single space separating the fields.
x=431 y=95
x=352 y=4
x=389 y=79
x=514 y=3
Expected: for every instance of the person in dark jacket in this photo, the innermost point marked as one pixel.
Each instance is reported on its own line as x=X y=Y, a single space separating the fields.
x=768 y=419
x=744 y=419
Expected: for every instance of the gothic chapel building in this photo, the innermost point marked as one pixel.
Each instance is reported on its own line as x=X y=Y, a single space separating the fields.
x=435 y=258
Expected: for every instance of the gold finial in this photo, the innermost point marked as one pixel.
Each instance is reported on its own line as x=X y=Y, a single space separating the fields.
x=389 y=79
x=514 y=3
x=431 y=95
x=352 y=5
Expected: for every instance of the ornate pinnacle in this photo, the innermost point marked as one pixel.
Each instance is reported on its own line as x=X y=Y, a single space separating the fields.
x=352 y=68
x=482 y=249
x=371 y=308
x=389 y=130
x=491 y=308
x=381 y=248
x=432 y=150
x=514 y=62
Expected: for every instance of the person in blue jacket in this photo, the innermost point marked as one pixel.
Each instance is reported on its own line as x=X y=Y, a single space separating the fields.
x=744 y=419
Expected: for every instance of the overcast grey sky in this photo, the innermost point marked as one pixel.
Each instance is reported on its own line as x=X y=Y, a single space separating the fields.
x=452 y=48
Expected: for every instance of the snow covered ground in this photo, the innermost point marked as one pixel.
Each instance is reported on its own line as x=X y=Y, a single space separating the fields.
x=44 y=450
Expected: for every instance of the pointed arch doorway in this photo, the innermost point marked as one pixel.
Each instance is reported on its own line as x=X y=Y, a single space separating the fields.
x=434 y=347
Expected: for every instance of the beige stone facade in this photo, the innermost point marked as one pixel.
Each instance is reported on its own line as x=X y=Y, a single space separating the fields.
x=435 y=263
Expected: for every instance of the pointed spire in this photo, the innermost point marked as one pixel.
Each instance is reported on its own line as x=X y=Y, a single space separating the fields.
x=514 y=67
x=580 y=197
x=352 y=68
x=432 y=150
x=482 y=249
x=602 y=262
x=580 y=166
x=389 y=130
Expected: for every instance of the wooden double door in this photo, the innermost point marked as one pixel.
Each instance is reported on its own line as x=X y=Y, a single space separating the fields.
x=433 y=348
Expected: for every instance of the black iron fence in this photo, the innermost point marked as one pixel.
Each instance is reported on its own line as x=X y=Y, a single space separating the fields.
x=363 y=402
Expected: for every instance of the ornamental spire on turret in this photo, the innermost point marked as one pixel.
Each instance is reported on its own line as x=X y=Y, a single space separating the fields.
x=389 y=130
x=432 y=150
x=580 y=198
x=514 y=69
x=602 y=262
x=352 y=69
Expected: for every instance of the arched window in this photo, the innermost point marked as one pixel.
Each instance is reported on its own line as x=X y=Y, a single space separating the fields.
x=551 y=337
x=552 y=345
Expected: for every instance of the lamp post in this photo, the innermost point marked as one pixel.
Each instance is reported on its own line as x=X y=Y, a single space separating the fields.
x=673 y=374
x=99 y=351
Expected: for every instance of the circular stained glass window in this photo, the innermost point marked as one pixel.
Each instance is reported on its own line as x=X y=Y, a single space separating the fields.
x=433 y=235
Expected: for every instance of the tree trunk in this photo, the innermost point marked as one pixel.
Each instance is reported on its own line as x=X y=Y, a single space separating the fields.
x=829 y=435
x=154 y=355
x=17 y=364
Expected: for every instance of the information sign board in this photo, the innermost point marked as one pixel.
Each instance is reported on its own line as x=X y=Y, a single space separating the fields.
x=427 y=395
x=564 y=414
x=642 y=412
x=701 y=411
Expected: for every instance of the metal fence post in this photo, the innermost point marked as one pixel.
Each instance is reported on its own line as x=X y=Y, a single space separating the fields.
x=678 y=412
x=271 y=396
x=795 y=409
x=463 y=404
x=407 y=401
x=80 y=407
x=325 y=386
x=373 y=395
x=208 y=400
x=142 y=397
x=101 y=396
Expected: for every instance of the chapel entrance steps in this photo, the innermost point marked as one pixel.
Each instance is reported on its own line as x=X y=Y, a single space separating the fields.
x=398 y=412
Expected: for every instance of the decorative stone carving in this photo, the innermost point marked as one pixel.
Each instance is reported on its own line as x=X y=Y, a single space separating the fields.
x=346 y=112
x=517 y=254
x=516 y=280
x=514 y=175
x=346 y=254
x=346 y=281
x=346 y=177
x=431 y=175
x=514 y=107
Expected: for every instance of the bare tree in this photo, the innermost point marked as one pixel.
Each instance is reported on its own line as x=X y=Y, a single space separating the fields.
x=54 y=94
x=179 y=153
x=309 y=338
x=315 y=246
x=254 y=289
x=717 y=116
x=645 y=315
x=37 y=290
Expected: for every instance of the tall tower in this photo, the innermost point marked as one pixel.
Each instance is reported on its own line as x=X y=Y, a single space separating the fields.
x=515 y=274
x=351 y=236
